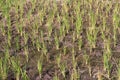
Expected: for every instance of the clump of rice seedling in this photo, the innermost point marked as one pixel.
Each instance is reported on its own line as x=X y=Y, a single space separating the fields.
x=80 y=43
x=58 y=60
x=87 y=61
x=75 y=73
x=56 y=41
x=116 y=23
x=99 y=75
x=118 y=71
x=26 y=53
x=16 y=68
x=3 y=69
x=63 y=67
x=39 y=66
x=92 y=31
x=55 y=77
x=24 y=75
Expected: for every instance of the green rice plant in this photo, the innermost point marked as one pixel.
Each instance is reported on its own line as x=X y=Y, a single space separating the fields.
x=39 y=66
x=16 y=68
x=108 y=7
x=17 y=43
x=115 y=23
x=63 y=67
x=92 y=30
x=20 y=27
x=73 y=37
x=118 y=71
x=38 y=44
x=24 y=75
x=56 y=41
x=80 y=43
x=99 y=75
x=33 y=4
x=64 y=9
x=26 y=53
x=107 y=47
x=55 y=77
x=62 y=32
x=9 y=38
x=21 y=11
x=64 y=50
x=58 y=59
x=74 y=62
x=3 y=30
x=66 y=23
x=92 y=36
x=44 y=50
x=93 y=18
x=4 y=64
x=75 y=74
x=87 y=61
x=107 y=65
x=41 y=37
x=104 y=24
x=55 y=8
x=62 y=28
x=78 y=25
x=3 y=69
x=107 y=55
x=25 y=37
x=49 y=29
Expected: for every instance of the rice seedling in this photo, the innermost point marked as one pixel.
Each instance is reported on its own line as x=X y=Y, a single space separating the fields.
x=39 y=66
x=4 y=65
x=116 y=23
x=118 y=73
x=87 y=62
x=107 y=64
x=55 y=78
x=26 y=53
x=74 y=62
x=64 y=50
x=78 y=25
x=63 y=67
x=58 y=59
x=44 y=49
x=3 y=69
x=66 y=23
x=49 y=29
x=16 y=68
x=92 y=36
x=73 y=37
x=62 y=33
x=24 y=75
x=80 y=43
x=92 y=31
x=75 y=73
x=38 y=45
x=17 y=43
x=56 y=41
x=99 y=75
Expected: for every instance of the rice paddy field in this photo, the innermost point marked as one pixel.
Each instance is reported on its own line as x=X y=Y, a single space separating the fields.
x=59 y=39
